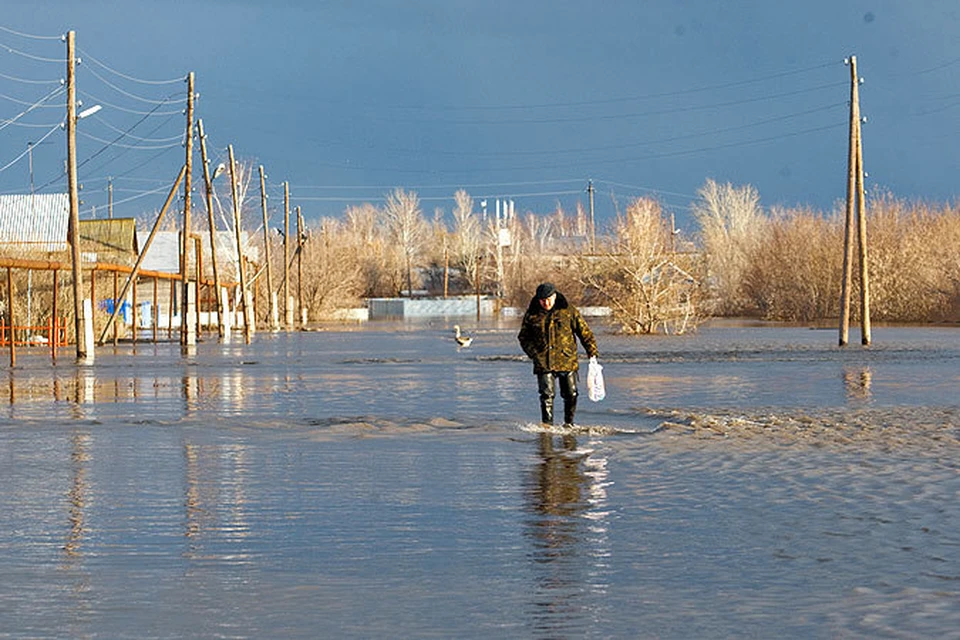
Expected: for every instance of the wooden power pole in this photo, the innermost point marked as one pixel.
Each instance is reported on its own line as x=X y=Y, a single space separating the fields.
x=593 y=228
x=287 y=302
x=274 y=317
x=300 y=237
x=855 y=207
x=248 y=318
x=186 y=308
x=79 y=314
x=208 y=192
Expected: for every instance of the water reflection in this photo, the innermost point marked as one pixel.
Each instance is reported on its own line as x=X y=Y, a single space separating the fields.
x=215 y=502
x=857 y=382
x=79 y=459
x=567 y=498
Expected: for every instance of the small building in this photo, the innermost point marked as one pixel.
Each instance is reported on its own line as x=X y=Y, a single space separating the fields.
x=112 y=240
x=164 y=252
x=430 y=307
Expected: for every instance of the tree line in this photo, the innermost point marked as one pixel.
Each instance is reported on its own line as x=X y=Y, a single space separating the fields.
x=741 y=260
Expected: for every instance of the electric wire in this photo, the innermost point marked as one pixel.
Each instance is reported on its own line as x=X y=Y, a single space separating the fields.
x=108 y=144
x=640 y=114
x=116 y=107
x=635 y=98
x=177 y=138
x=28 y=81
x=30 y=56
x=120 y=145
x=119 y=90
x=19 y=157
x=33 y=105
x=30 y=35
x=6 y=123
x=128 y=77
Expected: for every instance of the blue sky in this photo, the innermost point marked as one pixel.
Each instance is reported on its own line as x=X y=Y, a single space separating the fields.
x=522 y=99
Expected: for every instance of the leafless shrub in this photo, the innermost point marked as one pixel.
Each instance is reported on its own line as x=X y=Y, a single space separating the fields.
x=332 y=274
x=793 y=272
x=648 y=287
x=730 y=225
x=909 y=260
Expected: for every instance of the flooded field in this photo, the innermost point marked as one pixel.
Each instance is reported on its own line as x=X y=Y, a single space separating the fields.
x=746 y=481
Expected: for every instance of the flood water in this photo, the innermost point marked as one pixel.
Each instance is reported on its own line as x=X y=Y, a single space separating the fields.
x=743 y=482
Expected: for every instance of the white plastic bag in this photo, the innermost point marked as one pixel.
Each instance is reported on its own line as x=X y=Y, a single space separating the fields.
x=595 y=388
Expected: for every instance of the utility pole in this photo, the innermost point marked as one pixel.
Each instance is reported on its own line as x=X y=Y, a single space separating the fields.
x=110 y=198
x=287 y=302
x=274 y=316
x=78 y=302
x=855 y=206
x=247 y=311
x=187 y=308
x=593 y=228
x=300 y=229
x=208 y=183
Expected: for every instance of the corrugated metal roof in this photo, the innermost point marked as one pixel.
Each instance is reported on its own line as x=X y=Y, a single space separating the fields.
x=36 y=222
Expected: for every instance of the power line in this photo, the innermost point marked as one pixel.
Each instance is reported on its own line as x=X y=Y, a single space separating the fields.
x=129 y=77
x=19 y=157
x=635 y=98
x=30 y=35
x=640 y=114
x=27 y=81
x=125 y=110
x=31 y=56
x=107 y=145
x=119 y=145
x=6 y=123
x=119 y=90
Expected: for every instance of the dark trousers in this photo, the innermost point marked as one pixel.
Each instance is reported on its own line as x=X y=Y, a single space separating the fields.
x=568 y=391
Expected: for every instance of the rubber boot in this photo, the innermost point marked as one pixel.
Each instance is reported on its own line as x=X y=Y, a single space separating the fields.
x=546 y=410
x=569 y=410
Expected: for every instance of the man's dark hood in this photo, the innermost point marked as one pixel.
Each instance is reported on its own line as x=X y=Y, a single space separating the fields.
x=534 y=306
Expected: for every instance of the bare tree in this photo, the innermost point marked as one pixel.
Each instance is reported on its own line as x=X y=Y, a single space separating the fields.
x=366 y=237
x=468 y=241
x=407 y=228
x=647 y=287
x=333 y=276
x=731 y=224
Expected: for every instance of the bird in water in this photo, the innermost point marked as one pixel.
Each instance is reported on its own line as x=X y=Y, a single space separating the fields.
x=462 y=340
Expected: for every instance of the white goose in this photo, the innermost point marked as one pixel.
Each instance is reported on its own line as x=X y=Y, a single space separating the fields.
x=462 y=340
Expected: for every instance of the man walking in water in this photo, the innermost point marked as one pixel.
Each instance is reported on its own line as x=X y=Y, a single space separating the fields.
x=548 y=335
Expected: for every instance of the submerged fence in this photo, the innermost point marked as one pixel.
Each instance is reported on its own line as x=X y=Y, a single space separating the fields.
x=57 y=331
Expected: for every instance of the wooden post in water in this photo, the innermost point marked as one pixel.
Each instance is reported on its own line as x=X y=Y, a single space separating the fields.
x=208 y=183
x=851 y=204
x=186 y=336
x=73 y=188
x=156 y=307
x=300 y=237
x=865 y=336
x=116 y=290
x=479 y=258
x=13 y=337
x=244 y=298
x=274 y=313
x=287 y=301
x=55 y=338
